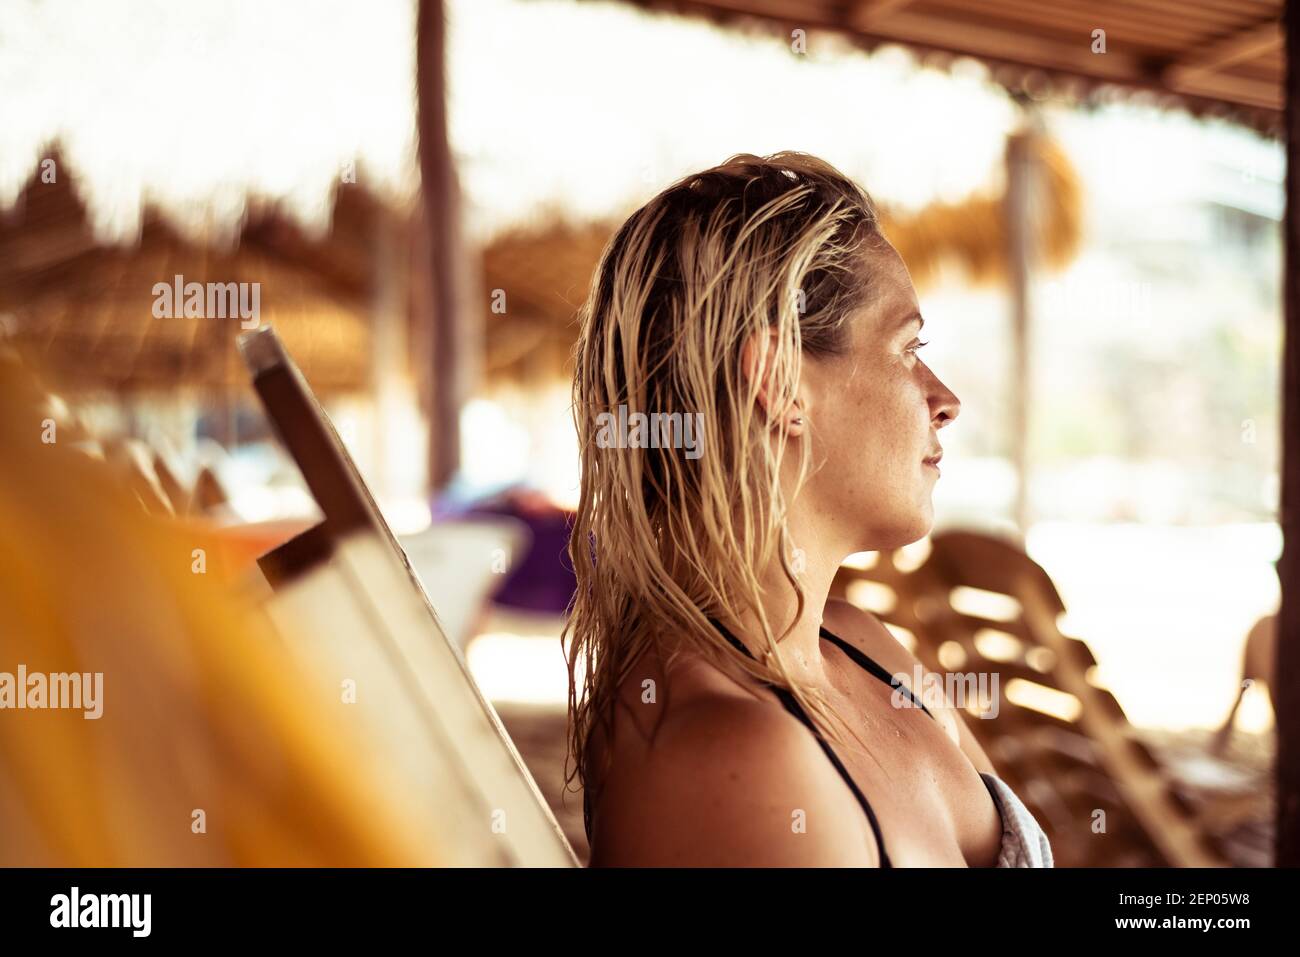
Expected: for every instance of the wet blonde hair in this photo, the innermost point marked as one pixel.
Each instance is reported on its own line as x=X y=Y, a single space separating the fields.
x=663 y=542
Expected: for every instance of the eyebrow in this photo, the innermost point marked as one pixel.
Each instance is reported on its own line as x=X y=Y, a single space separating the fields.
x=914 y=317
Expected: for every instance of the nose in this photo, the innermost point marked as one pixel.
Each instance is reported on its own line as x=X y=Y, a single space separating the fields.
x=944 y=404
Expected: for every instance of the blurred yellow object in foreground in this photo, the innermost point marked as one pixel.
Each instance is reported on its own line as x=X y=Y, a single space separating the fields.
x=210 y=749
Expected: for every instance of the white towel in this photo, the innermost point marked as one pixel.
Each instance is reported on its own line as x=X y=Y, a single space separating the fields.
x=1023 y=842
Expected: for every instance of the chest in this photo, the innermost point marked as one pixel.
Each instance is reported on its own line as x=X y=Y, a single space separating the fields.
x=933 y=808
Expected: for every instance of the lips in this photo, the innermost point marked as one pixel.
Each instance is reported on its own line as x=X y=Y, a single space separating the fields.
x=933 y=459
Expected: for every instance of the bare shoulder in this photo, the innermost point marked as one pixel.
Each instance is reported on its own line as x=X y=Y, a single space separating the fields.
x=865 y=631
x=730 y=782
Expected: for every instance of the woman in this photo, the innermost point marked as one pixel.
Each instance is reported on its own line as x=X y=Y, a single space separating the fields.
x=730 y=714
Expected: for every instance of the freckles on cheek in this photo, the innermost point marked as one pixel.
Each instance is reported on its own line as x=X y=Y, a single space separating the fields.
x=881 y=404
x=871 y=423
x=892 y=423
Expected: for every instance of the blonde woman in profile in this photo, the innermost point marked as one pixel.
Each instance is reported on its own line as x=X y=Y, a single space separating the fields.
x=728 y=714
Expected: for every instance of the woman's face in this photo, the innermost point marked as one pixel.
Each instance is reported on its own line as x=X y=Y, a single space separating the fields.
x=875 y=413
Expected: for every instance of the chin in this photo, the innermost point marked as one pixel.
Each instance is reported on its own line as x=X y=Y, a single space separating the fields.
x=903 y=529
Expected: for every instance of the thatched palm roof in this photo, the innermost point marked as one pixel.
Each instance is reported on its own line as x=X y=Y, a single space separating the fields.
x=85 y=310
x=544 y=270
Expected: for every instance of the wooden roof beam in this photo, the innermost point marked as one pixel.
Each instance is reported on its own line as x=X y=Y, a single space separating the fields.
x=1202 y=71
x=1245 y=45
x=868 y=13
x=1005 y=44
x=1223 y=86
x=996 y=42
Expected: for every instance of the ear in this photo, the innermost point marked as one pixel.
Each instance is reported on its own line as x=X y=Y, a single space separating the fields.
x=757 y=362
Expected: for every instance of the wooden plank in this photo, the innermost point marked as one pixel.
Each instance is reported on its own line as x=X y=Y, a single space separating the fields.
x=327 y=631
x=509 y=809
x=365 y=616
x=1232 y=13
x=1001 y=42
x=867 y=12
x=1128 y=29
x=296 y=557
x=1232 y=89
x=309 y=436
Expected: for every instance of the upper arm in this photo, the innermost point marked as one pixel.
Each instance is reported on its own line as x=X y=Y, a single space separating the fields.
x=902 y=655
x=730 y=783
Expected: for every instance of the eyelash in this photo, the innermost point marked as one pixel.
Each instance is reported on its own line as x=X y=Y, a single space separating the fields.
x=919 y=344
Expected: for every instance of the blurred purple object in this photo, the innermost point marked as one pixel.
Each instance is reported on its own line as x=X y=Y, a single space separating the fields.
x=541 y=579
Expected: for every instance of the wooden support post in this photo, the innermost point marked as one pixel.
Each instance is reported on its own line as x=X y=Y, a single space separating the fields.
x=1016 y=210
x=446 y=371
x=1286 y=696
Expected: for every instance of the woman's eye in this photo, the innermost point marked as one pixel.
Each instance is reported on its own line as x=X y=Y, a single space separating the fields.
x=917 y=345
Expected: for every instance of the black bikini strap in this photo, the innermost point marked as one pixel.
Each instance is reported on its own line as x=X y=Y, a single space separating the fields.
x=792 y=705
x=875 y=669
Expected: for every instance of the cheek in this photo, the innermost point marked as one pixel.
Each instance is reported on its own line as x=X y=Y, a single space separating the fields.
x=877 y=430
x=890 y=415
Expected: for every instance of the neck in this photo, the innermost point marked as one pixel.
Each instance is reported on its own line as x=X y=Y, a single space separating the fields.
x=815 y=568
